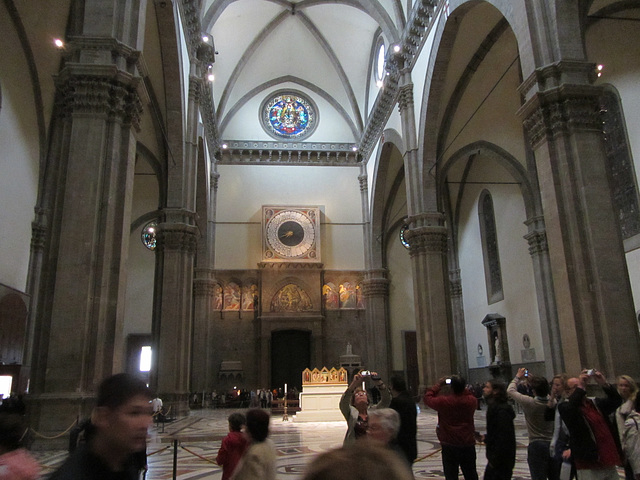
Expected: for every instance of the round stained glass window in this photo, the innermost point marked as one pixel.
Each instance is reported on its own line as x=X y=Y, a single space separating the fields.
x=403 y=239
x=148 y=235
x=288 y=115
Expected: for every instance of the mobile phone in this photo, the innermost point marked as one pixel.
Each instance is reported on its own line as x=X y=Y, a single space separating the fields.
x=365 y=373
x=526 y=373
x=591 y=371
x=448 y=381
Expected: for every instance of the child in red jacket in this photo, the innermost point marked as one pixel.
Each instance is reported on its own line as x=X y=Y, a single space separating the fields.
x=233 y=446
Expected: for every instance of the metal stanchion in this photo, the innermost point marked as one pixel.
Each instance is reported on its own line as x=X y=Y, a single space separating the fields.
x=285 y=417
x=175 y=459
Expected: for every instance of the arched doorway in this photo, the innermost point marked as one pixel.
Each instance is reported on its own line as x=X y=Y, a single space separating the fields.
x=290 y=355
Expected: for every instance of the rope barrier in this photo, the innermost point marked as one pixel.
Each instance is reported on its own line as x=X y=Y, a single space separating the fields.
x=158 y=451
x=37 y=434
x=427 y=455
x=197 y=455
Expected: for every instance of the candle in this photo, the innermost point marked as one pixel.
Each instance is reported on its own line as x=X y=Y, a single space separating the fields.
x=285 y=388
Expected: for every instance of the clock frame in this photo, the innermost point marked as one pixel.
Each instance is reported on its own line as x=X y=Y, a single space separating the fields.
x=291 y=234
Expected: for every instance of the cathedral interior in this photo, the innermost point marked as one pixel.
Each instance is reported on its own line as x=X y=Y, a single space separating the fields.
x=218 y=194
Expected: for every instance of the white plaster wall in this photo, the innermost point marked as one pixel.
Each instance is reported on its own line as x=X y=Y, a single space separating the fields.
x=519 y=306
x=401 y=299
x=242 y=190
x=19 y=160
x=185 y=64
x=138 y=308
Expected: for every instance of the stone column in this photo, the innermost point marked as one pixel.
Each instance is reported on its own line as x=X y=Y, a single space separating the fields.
x=595 y=311
x=79 y=325
x=375 y=290
x=427 y=237
x=539 y=251
x=172 y=328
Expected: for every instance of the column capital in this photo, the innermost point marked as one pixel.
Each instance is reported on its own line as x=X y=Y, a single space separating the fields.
x=537 y=236
x=204 y=287
x=405 y=97
x=177 y=237
x=455 y=283
x=427 y=240
x=375 y=287
x=363 y=180
x=561 y=110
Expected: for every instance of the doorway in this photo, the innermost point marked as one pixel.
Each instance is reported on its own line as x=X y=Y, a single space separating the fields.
x=290 y=355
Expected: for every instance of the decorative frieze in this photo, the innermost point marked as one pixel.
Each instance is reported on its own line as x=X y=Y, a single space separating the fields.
x=290 y=266
x=405 y=97
x=296 y=153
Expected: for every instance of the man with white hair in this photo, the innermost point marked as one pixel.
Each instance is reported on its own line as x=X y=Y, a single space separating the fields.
x=384 y=425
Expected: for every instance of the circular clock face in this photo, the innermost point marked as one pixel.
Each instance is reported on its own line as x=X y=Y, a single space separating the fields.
x=290 y=233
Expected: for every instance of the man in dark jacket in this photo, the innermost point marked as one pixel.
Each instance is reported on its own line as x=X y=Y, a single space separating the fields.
x=116 y=438
x=500 y=438
x=456 y=406
x=592 y=442
x=403 y=403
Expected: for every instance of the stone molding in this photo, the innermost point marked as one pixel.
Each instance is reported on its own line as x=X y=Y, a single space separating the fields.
x=375 y=287
x=427 y=240
x=214 y=178
x=176 y=237
x=427 y=219
x=290 y=266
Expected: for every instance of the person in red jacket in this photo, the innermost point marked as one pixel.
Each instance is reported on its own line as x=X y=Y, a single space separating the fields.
x=456 y=406
x=233 y=446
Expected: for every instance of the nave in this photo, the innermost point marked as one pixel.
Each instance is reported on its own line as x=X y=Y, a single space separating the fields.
x=199 y=436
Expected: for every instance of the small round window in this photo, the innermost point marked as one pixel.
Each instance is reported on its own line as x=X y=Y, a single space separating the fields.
x=148 y=235
x=403 y=238
x=380 y=62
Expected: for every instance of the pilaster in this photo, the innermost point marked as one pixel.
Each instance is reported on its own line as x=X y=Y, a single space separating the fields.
x=547 y=310
x=375 y=289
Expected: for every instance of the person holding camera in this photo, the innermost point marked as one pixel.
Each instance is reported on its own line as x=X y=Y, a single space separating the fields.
x=355 y=405
x=456 y=406
x=591 y=438
x=540 y=430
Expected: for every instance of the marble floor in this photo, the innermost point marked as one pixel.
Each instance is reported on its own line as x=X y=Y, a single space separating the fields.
x=199 y=435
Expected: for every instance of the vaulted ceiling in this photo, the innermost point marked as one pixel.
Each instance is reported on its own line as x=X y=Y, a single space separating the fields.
x=322 y=47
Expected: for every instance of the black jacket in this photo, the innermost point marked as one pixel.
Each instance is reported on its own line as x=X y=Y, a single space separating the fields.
x=581 y=439
x=501 y=436
x=406 y=408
